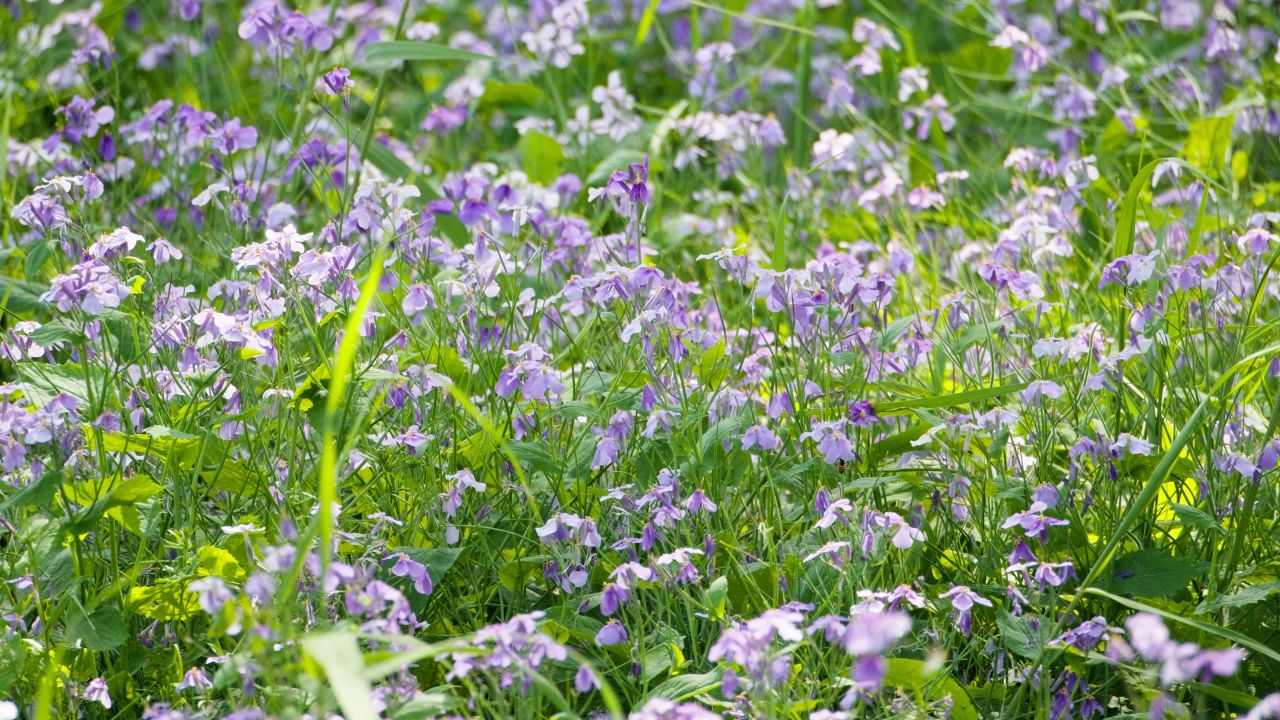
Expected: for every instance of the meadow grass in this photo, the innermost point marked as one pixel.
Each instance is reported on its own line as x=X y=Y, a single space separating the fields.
x=663 y=359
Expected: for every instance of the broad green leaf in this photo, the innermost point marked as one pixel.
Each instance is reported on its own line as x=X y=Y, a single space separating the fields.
x=165 y=601
x=1208 y=143
x=430 y=704
x=716 y=597
x=509 y=94
x=21 y=296
x=35 y=494
x=217 y=562
x=101 y=630
x=541 y=156
x=933 y=684
x=438 y=559
x=38 y=254
x=572 y=624
x=684 y=687
x=1154 y=573
x=709 y=371
x=338 y=654
x=1020 y=637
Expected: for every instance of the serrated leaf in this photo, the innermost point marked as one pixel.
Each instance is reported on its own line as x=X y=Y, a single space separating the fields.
x=1154 y=573
x=1020 y=637
x=1244 y=597
x=1194 y=517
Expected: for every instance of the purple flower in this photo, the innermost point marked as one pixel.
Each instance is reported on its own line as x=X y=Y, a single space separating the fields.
x=606 y=453
x=759 y=436
x=80 y=120
x=232 y=136
x=195 y=679
x=832 y=441
x=1034 y=522
x=584 y=680
x=962 y=600
x=612 y=633
x=96 y=691
x=406 y=566
x=336 y=82
x=187 y=10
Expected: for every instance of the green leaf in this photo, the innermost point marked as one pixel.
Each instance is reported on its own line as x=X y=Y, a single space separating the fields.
x=933 y=684
x=396 y=50
x=338 y=654
x=619 y=159
x=431 y=704
x=1195 y=517
x=536 y=455
x=1216 y=630
x=217 y=562
x=715 y=436
x=541 y=156
x=709 y=371
x=13 y=658
x=438 y=560
x=961 y=398
x=1244 y=597
x=165 y=601
x=684 y=687
x=1208 y=142
x=37 y=255
x=508 y=95
x=715 y=599
x=20 y=295
x=893 y=331
x=646 y=21
x=581 y=628
x=1154 y=573
x=1020 y=638
x=1127 y=217
x=101 y=630
x=37 y=494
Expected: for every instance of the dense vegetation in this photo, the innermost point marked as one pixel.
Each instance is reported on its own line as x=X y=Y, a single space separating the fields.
x=665 y=358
